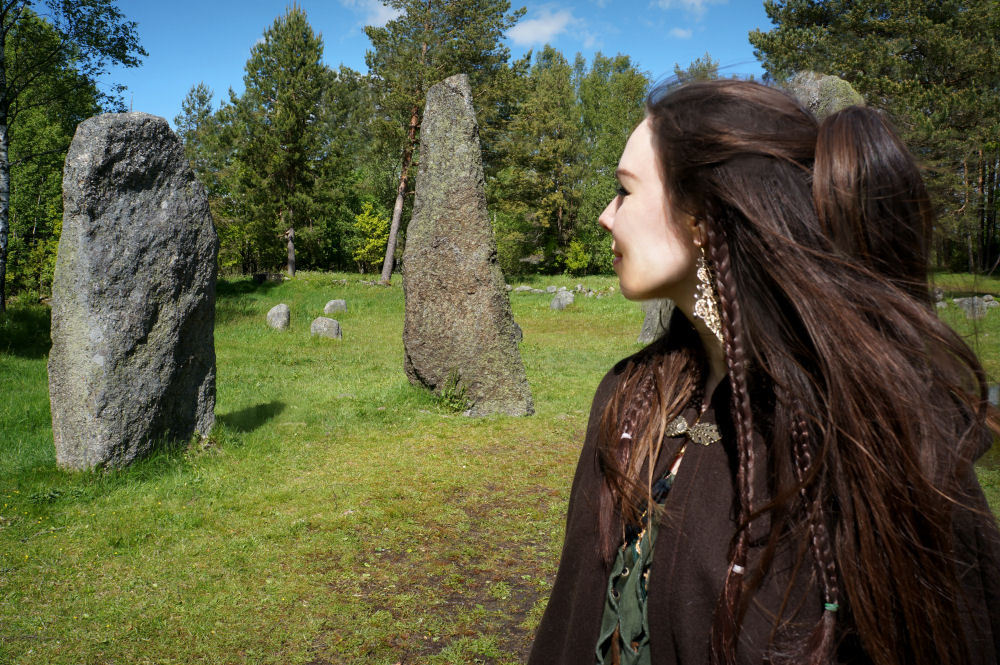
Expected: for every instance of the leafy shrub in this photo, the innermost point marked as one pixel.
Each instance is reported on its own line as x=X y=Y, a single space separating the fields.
x=577 y=258
x=371 y=235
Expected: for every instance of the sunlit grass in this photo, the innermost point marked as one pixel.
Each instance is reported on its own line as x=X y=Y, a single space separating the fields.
x=337 y=514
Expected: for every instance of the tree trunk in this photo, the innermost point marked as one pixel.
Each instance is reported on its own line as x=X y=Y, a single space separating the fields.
x=290 y=235
x=4 y=208
x=397 y=209
x=4 y=172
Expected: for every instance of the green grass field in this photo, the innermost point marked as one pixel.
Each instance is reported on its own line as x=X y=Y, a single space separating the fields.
x=336 y=515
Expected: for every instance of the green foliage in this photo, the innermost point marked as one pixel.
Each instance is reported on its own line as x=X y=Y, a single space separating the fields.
x=560 y=151
x=371 y=230
x=281 y=155
x=199 y=129
x=577 y=258
x=934 y=67
x=276 y=121
x=52 y=60
x=705 y=68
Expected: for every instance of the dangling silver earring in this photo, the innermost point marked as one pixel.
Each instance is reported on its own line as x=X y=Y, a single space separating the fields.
x=705 y=306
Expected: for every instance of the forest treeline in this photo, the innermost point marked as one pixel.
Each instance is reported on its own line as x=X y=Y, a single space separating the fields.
x=332 y=153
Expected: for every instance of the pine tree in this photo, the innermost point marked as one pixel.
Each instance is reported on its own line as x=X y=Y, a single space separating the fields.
x=277 y=139
x=198 y=128
x=705 y=68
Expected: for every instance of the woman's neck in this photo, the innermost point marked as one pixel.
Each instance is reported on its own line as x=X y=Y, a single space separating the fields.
x=716 y=362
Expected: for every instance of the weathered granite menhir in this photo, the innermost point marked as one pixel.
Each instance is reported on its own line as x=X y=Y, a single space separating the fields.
x=657 y=320
x=823 y=94
x=458 y=325
x=132 y=364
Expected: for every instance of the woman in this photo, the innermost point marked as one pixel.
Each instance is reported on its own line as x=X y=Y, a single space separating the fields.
x=787 y=475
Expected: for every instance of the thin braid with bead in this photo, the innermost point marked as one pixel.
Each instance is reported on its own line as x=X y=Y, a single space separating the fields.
x=736 y=366
x=820 y=643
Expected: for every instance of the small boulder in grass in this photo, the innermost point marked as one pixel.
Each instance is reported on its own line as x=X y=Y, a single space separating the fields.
x=551 y=289
x=335 y=306
x=325 y=327
x=279 y=316
x=561 y=300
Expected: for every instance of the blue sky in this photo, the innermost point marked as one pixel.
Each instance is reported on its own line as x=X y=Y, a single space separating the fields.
x=209 y=40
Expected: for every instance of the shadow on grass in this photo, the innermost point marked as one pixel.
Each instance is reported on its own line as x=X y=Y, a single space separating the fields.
x=241 y=286
x=25 y=331
x=252 y=417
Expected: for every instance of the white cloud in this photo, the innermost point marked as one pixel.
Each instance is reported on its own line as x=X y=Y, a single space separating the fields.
x=681 y=33
x=541 y=29
x=695 y=8
x=375 y=13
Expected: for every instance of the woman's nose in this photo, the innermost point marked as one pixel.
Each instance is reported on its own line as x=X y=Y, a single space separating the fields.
x=607 y=218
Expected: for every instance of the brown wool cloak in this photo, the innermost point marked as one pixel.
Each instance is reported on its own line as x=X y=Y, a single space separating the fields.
x=690 y=561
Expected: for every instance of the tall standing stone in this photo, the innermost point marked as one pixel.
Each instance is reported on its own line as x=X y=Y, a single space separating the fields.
x=657 y=319
x=132 y=363
x=458 y=324
x=823 y=94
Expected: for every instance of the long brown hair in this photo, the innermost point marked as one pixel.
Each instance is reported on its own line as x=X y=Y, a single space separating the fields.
x=869 y=407
x=870 y=196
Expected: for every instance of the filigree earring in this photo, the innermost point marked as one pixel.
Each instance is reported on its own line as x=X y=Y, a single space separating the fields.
x=705 y=306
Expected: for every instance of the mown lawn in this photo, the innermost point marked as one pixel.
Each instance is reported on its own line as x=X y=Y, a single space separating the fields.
x=336 y=515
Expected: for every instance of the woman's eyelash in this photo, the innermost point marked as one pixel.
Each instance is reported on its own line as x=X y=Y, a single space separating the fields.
x=622 y=191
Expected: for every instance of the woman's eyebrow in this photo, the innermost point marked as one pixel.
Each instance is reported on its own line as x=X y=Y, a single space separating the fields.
x=619 y=172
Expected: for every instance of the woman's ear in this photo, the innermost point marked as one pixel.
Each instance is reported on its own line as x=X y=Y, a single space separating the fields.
x=697 y=231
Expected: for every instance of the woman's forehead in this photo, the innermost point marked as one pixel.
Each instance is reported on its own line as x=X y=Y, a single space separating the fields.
x=638 y=158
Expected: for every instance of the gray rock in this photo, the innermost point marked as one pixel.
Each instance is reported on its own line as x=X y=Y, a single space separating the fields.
x=508 y=287
x=132 y=364
x=989 y=297
x=325 y=327
x=522 y=289
x=458 y=325
x=941 y=304
x=538 y=290
x=561 y=300
x=974 y=307
x=657 y=320
x=938 y=294
x=823 y=94
x=335 y=306
x=562 y=288
x=279 y=316
x=550 y=289
x=518 y=334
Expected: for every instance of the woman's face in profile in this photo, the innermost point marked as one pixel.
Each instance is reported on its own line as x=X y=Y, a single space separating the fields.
x=653 y=243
